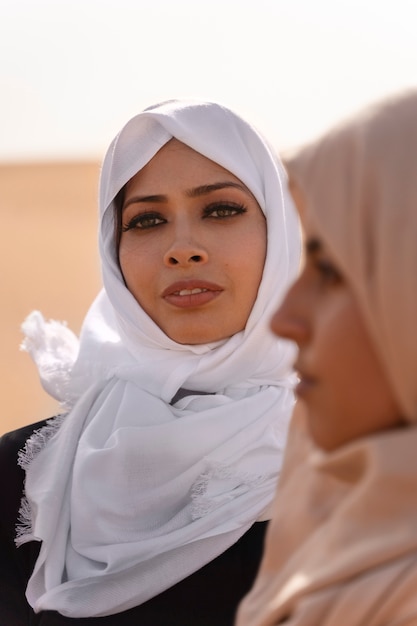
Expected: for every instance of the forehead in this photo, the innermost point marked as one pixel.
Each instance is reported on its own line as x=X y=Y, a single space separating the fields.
x=177 y=163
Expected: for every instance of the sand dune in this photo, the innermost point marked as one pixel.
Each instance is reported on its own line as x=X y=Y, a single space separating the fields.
x=49 y=261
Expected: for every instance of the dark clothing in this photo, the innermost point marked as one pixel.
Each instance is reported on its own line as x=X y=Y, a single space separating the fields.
x=209 y=597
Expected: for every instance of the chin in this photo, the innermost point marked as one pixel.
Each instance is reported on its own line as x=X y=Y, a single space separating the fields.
x=197 y=336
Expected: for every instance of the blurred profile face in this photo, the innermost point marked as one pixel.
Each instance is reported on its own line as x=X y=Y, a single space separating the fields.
x=192 y=245
x=342 y=382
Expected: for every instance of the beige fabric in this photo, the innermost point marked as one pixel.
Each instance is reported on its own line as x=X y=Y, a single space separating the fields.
x=342 y=547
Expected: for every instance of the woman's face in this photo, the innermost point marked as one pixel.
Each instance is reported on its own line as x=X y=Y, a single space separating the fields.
x=193 y=245
x=342 y=383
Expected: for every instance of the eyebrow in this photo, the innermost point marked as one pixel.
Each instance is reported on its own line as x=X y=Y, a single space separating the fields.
x=196 y=192
x=205 y=189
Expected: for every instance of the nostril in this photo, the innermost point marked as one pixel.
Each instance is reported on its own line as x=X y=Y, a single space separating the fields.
x=180 y=259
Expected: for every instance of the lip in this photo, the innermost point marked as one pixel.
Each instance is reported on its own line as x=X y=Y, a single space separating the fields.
x=204 y=292
x=306 y=383
x=304 y=387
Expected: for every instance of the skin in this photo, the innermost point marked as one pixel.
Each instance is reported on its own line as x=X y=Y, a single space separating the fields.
x=193 y=245
x=342 y=382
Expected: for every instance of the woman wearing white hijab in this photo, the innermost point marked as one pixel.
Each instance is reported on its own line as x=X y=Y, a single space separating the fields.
x=341 y=548
x=144 y=496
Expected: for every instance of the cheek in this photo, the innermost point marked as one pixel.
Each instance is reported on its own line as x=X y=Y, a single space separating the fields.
x=372 y=392
x=355 y=396
x=329 y=338
x=249 y=262
x=136 y=266
x=127 y=262
x=337 y=356
x=358 y=364
x=252 y=248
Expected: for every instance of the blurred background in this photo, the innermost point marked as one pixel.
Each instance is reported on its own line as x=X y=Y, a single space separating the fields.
x=73 y=71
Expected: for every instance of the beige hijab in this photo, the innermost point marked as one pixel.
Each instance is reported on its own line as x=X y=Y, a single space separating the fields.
x=342 y=547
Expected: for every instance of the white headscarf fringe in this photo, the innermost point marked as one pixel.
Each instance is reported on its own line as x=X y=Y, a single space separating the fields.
x=33 y=446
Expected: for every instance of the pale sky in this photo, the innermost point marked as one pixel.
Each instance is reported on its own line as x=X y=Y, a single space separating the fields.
x=73 y=71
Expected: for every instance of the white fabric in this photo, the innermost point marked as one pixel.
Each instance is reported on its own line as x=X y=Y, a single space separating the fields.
x=132 y=494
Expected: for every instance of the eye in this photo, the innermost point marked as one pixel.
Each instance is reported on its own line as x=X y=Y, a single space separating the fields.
x=144 y=221
x=221 y=210
x=328 y=273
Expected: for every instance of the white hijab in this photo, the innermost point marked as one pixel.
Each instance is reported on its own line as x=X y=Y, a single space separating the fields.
x=131 y=494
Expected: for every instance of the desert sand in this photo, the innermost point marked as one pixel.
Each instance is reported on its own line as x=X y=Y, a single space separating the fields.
x=49 y=261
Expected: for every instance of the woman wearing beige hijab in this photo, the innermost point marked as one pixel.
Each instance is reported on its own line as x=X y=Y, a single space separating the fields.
x=342 y=547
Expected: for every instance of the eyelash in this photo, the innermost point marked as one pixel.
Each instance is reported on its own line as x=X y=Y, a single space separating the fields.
x=233 y=208
x=328 y=273
x=138 y=221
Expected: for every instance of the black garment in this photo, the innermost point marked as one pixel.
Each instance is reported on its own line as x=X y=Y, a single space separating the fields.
x=209 y=597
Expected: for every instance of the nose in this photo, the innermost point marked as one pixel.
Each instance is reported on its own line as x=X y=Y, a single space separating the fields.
x=185 y=250
x=290 y=320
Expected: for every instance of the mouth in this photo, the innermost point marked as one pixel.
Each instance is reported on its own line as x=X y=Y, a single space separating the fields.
x=191 y=293
x=306 y=383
